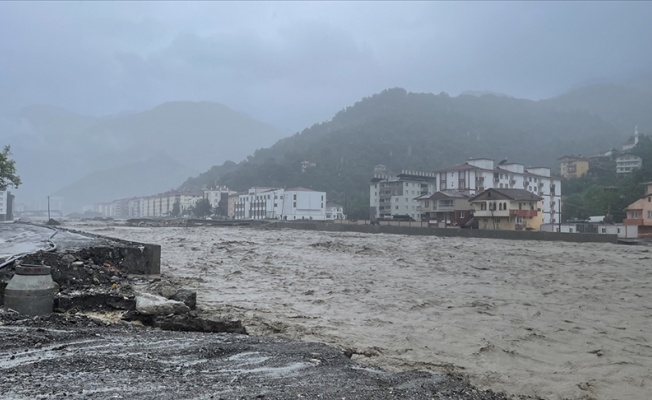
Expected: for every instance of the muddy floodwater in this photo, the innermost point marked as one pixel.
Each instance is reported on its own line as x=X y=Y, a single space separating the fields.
x=547 y=319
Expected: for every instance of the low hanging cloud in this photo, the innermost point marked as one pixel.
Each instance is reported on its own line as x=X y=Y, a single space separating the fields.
x=293 y=64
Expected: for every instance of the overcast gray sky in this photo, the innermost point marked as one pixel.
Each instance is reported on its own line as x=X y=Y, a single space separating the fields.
x=296 y=63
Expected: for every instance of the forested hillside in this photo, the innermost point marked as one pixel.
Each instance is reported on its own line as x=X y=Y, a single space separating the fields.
x=418 y=131
x=605 y=193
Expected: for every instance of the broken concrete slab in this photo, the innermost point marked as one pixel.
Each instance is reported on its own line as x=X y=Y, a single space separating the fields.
x=151 y=304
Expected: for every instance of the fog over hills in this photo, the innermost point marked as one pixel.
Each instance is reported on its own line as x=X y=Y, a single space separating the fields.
x=54 y=148
x=156 y=174
x=424 y=131
x=96 y=159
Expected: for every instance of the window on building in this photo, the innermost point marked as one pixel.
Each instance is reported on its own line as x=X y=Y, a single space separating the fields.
x=649 y=214
x=294 y=204
x=603 y=230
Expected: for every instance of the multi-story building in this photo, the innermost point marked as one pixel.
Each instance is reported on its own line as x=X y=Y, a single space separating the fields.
x=507 y=209
x=477 y=175
x=639 y=213
x=571 y=167
x=283 y=204
x=628 y=162
x=397 y=195
x=233 y=200
x=334 y=211
x=447 y=207
x=155 y=206
x=219 y=200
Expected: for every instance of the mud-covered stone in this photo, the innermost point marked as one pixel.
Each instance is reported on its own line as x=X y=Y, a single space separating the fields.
x=194 y=323
x=188 y=297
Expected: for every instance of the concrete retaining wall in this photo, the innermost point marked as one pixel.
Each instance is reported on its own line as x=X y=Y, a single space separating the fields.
x=452 y=232
x=131 y=257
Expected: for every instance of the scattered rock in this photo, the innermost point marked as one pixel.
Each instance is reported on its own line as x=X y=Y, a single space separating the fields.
x=188 y=297
x=163 y=288
x=193 y=323
x=150 y=304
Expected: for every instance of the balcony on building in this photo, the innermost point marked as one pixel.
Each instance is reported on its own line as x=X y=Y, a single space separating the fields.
x=491 y=213
x=523 y=213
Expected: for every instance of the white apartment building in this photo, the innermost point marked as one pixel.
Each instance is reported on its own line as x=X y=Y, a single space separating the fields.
x=334 y=211
x=156 y=206
x=397 y=195
x=282 y=204
x=470 y=178
x=477 y=175
x=215 y=196
x=626 y=163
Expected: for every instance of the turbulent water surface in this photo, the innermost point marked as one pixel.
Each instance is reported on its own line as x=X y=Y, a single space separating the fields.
x=548 y=319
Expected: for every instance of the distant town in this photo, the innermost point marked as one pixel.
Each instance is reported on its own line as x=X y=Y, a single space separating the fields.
x=477 y=194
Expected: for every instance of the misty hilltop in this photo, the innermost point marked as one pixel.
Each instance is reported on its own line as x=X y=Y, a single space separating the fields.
x=424 y=131
x=54 y=147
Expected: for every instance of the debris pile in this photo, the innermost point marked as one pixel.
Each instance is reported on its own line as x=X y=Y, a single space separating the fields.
x=89 y=282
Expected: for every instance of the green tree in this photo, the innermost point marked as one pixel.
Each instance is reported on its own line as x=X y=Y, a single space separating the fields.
x=202 y=208
x=8 y=175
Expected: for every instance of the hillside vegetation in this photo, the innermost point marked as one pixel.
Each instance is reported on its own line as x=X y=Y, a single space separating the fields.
x=422 y=131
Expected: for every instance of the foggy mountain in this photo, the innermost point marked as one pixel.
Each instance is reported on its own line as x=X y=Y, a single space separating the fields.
x=154 y=175
x=622 y=106
x=424 y=131
x=54 y=148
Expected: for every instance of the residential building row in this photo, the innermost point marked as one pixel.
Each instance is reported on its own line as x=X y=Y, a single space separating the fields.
x=286 y=204
x=153 y=206
x=445 y=196
x=257 y=203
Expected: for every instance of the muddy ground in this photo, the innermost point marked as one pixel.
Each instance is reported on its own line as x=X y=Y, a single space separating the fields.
x=71 y=356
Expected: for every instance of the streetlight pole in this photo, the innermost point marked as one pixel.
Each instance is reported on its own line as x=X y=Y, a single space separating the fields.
x=49 y=208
